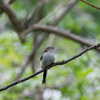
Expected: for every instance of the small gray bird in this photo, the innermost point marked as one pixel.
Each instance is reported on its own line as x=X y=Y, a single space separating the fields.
x=46 y=59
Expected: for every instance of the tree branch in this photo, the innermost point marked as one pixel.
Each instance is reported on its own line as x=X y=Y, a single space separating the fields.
x=50 y=66
x=58 y=31
x=35 y=12
x=57 y=19
x=90 y=4
x=9 y=2
x=65 y=11
x=12 y=16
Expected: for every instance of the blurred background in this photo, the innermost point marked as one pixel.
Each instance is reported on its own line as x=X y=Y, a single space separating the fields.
x=77 y=80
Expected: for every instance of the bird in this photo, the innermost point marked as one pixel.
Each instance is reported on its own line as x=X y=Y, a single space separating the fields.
x=46 y=59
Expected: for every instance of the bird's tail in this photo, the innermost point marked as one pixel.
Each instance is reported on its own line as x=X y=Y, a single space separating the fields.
x=44 y=77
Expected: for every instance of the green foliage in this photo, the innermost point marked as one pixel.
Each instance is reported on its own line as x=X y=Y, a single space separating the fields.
x=82 y=74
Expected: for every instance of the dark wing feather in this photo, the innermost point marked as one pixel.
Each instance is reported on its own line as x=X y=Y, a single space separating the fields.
x=41 y=57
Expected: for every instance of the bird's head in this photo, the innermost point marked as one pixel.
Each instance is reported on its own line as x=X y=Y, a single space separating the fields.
x=49 y=49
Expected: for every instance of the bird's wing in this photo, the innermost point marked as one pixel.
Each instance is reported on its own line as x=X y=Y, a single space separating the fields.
x=41 y=57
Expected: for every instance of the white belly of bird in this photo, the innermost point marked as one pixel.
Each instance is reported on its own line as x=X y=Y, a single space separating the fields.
x=47 y=59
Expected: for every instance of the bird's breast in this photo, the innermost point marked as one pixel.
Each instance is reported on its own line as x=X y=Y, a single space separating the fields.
x=47 y=59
